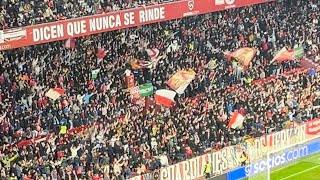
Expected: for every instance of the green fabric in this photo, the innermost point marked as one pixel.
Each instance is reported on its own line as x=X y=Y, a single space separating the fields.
x=146 y=90
x=298 y=52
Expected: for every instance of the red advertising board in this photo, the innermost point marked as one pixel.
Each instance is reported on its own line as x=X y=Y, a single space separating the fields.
x=313 y=127
x=54 y=31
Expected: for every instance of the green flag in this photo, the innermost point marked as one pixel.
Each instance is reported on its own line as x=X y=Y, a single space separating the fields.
x=94 y=73
x=146 y=90
x=298 y=52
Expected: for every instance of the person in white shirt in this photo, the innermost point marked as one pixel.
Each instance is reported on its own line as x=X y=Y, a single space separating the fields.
x=164 y=160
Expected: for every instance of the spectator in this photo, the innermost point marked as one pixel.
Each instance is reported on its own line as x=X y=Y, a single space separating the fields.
x=127 y=140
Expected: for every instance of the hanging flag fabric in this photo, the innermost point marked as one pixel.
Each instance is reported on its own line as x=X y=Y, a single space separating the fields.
x=70 y=43
x=55 y=93
x=236 y=121
x=283 y=55
x=180 y=80
x=165 y=97
x=94 y=73
x=101 y=53
x=153 y=53
x=298 y=52
x=244 y=55
x=146 y=90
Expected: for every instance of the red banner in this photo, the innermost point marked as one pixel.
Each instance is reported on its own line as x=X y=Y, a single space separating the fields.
x=313 y=127
x=60 y=30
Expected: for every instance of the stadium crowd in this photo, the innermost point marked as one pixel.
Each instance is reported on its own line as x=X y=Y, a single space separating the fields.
x=18 y=13
x=122 y=139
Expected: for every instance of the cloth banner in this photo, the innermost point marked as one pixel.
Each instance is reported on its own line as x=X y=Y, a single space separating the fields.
x=55 y=93
x=146 y=90
x=236 y=121
x=140 y=64
x=180 y=80
x=243 y=55
x=165 y=97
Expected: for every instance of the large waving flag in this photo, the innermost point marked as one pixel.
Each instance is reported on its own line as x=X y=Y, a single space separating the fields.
x=140 y=64
x=55 y=93
x=165 y=97
x=180 y=80
x=244 y=55
x=236 y=121
x=283 y=55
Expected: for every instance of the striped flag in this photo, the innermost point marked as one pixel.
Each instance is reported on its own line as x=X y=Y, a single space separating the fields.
x=236 y=121
x=165 y=97
x=94 y=73
x=55 y=93
x=298 y=52
x=153 y=53
x=70 y=43
x=283 y=55
x=146 y=90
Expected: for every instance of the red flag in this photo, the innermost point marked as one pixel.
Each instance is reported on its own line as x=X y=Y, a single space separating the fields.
x=101 y=53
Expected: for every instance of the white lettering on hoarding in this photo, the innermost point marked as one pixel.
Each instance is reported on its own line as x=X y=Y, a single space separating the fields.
x=313 y=126
x=129 y=18
x=186 y=170
x=276 y=160
x=151 y=14
x=76 y=28
x=287 y=136
x=275 y=141
x=47 y=33
x=228 y=3
x=224 y=2
x=96 y=24
x=103 y=23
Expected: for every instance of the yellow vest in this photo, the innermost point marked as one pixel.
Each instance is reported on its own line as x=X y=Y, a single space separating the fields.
x=207 y=168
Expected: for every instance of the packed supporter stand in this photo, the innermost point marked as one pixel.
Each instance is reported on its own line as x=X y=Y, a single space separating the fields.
x=95 y=129
x=22 y=13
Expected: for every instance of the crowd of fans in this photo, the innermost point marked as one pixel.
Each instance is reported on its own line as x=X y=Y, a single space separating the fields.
x=17 y=13
x=129 y=139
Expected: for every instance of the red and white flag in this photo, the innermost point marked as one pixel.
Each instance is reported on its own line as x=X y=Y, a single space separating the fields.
x=165 y=97
x=55 y=93
x=153 y=53
x=70 y=43
x=236 y=121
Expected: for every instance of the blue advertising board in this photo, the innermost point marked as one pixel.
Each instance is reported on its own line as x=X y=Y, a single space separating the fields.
x=277 y=160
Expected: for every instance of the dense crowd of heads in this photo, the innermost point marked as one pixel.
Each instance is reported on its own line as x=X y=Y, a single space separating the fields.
x=122 y=139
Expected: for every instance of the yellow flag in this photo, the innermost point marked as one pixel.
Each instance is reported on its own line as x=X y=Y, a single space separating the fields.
x=63 y=129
